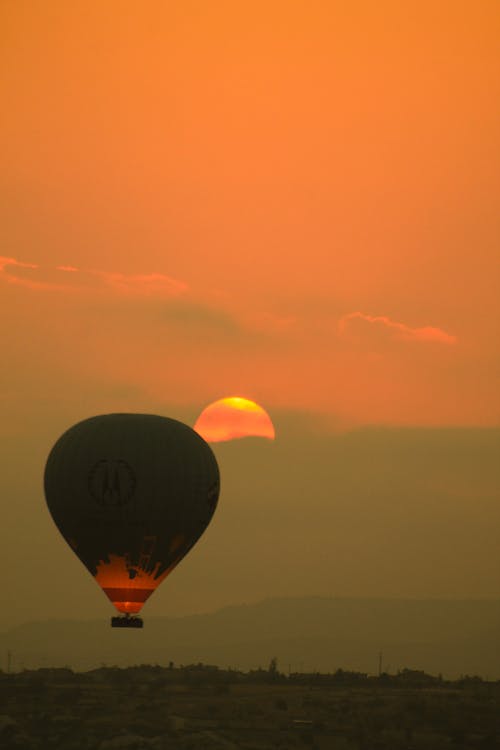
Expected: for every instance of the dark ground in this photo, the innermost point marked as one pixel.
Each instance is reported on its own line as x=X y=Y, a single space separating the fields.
x=202 y=707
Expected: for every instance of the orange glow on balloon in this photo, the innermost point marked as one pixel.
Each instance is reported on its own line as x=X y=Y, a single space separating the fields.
x=234 y=417
x=127 y=595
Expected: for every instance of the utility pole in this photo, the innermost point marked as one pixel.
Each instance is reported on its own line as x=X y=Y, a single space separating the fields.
x=9 y=661
x=379 y=663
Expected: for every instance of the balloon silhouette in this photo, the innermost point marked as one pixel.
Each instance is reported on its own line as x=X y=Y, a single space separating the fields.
x=131 y=494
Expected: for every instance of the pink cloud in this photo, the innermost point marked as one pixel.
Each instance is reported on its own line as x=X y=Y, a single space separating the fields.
x=149 y=284
x=15 y=276
x=6 y=262
x=70 y=278
x=397 y=330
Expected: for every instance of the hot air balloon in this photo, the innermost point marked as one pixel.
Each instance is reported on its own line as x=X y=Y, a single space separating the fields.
x=131 y=494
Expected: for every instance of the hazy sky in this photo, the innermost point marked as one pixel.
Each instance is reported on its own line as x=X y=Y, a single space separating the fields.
x=291 y=201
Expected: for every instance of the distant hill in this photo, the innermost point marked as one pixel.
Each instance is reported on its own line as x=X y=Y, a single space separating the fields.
x=305 y=634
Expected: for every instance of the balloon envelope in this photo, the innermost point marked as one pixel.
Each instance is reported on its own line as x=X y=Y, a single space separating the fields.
x=131 y=494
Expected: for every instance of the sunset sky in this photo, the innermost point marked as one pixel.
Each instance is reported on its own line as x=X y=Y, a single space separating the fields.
x=295 y=202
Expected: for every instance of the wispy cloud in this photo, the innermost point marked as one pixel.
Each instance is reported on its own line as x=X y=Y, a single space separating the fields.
x=5 y=262
x=12 y=270
x=146 y=283
x=67 y=269
x=67 y=277
x=395 y=329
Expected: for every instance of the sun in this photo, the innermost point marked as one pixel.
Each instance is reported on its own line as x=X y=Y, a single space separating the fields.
x=232 y=418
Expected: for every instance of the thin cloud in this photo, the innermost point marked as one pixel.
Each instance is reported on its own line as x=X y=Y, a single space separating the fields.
x=5 y=262
x=208 y=325
x=149 y=284
x=396 y=330
x=70 y=278
x=11 y=270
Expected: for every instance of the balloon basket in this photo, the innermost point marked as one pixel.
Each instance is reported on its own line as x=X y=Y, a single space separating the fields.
x=127 y=622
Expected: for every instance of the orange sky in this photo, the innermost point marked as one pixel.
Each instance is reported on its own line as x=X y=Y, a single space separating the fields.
x=292 y=201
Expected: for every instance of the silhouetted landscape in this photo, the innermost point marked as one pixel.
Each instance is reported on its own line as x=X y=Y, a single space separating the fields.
x=451 y=638
x=198 y=707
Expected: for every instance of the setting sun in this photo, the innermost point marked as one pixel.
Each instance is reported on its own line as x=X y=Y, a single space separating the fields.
x=234 y=417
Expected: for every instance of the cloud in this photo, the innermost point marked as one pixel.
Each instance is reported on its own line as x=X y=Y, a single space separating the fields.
x=70 y=278
x=207 y=325
x=188 y=314
x=393 y=329
x=6 y=262
x=153 y=302
x=7 y=274
x=142 y=284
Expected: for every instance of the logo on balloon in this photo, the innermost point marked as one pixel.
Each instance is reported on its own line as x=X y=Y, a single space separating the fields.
x=111 y=483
